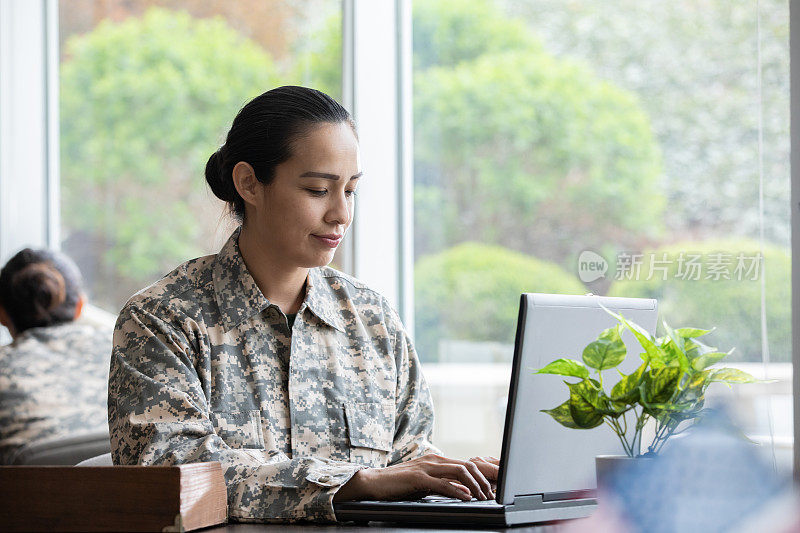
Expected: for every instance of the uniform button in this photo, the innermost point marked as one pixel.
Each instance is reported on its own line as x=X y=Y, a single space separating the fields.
x=324 y=479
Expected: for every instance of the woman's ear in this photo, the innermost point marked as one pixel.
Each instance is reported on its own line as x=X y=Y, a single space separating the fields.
x=79 y=307
x=246 y=183
x=5 y=320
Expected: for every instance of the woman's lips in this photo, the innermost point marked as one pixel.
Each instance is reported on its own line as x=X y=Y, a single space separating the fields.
x=332 y=241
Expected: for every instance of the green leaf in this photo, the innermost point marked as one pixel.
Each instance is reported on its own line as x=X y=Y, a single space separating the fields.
x=671 y=354
x=732 y=375
x=672 y=407
x=660 y=385
x=562 y=415
x=565 y=367
x=675 y=356
x=700 y=379
x=584 y=417
x=675 y=349
x=652 y=350
x=607 y=351
x=627 y=389
x=690 y=333
x=695 y=348
x=584 y=401
x=668 y=355
x=589 y=391
x=642 y=336
x=603 y=404
x=697 y=385
x=677 y=339
x=617 y=408
x=706 y=360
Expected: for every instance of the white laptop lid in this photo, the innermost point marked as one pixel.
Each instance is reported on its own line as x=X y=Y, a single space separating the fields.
x=539 y=455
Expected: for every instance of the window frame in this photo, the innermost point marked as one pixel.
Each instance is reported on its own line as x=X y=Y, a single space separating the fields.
x=794 y=61
x=29 y=148
x=29 y=193
x=376 y=87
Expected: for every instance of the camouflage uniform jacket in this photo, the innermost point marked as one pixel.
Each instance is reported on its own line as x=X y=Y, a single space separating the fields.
x=52 y=384
x=205 y=368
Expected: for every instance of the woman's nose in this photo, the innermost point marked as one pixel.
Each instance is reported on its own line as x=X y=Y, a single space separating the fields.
x=339 y=211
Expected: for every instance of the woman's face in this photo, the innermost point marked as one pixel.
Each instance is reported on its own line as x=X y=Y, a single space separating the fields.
x=306 y=210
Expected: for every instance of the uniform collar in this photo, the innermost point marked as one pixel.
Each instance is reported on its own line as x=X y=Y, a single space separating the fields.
x=323 y=301
x=239 y=298
x=237 y=294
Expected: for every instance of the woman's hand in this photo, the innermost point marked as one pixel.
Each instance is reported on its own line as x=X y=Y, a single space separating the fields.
x=429 y=474
x=489 y=467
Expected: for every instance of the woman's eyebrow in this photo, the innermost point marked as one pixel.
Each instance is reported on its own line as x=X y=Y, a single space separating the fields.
x=326 y=176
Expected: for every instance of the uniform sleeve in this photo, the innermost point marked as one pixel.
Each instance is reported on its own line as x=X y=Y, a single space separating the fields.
x=158 y=414
x=414 y=406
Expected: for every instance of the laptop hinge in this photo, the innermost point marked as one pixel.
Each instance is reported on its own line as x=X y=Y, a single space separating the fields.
x=527 y=500
x=532 y=508
x=569 y=495
x=539 y=501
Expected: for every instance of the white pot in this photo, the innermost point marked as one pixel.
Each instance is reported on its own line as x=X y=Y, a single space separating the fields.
x=608 y=466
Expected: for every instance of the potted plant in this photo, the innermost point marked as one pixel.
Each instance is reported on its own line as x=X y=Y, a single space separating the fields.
x=668 y=388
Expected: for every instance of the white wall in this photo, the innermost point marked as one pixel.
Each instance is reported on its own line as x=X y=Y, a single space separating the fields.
x=794 y=52
x=24 y=140
x=376 y=86
x=28 y=143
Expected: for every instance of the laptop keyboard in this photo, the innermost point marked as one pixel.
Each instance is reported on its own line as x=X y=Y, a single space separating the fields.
x=443 y=500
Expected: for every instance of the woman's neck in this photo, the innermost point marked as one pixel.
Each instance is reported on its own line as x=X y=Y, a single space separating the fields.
x=281 y=284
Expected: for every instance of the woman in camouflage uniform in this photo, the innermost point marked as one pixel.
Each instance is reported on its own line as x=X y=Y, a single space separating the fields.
x=299 y=379
x=53 y=376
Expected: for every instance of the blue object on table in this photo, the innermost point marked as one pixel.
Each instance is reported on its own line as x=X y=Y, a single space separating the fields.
x=706 y=481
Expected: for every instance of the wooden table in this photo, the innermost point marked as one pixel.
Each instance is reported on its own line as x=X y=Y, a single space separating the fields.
x=380 y=526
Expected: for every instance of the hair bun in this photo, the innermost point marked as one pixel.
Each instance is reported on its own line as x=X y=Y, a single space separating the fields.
x=221 y=182
x=42 y=285
x=39 y=288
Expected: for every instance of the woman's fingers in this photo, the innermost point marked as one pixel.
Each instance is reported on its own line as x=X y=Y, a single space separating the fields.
x=451 y=490
x=428 y=474
x=459 y=485
x=460 y=473
x=473 y=472
x=487 y=459
x=479 y=476
x=488 y=468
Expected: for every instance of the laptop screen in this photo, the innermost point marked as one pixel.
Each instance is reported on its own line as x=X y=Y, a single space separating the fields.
x=540 y=456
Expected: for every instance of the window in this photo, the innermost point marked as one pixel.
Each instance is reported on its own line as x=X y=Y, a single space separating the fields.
x=148 y=91
x=631 y=134
x=542 y=130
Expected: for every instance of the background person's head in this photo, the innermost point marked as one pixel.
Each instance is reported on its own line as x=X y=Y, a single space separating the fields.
x=39 y=288
x=288 y=170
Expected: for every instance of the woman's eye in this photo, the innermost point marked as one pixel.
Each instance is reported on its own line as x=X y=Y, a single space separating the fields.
x=317 y=192
x=350 y=193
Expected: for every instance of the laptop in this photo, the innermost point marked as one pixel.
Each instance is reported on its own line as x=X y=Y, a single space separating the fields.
x=547 y=471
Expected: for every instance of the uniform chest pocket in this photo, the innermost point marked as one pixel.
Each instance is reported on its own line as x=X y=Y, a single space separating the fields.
x=239 y=429
x=370 y=430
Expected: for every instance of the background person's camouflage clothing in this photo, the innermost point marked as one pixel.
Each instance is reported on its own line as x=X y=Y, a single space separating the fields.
x=204 y=368
x=52 y=384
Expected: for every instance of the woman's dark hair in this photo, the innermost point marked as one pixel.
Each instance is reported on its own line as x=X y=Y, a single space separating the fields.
x=263 y=134
x=39 y=288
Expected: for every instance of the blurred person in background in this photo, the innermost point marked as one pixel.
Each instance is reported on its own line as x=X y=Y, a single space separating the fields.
x=54 y=374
